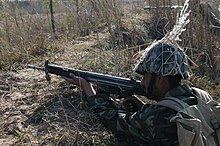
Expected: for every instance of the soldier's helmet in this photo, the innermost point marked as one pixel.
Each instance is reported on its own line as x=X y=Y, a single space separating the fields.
x=164 y=59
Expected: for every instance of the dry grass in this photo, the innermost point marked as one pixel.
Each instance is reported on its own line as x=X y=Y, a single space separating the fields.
x=37 y=113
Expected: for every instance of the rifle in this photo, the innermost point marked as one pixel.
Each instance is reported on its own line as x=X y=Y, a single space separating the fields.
x=110 y=84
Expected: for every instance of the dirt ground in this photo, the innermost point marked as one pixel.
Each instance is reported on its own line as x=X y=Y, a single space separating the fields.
x=36 y=112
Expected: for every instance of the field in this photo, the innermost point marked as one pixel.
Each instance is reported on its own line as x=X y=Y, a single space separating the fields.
x=99 y=36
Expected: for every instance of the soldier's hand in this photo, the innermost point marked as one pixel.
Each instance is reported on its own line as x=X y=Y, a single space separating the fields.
x=75 y=80
x=132 y=103
x=129 y=104
x=83 y=84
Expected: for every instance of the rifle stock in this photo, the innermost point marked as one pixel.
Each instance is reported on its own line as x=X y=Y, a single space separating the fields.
x=114 y=85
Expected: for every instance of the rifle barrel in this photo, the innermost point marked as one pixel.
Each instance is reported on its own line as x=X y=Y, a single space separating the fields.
x=36 y=67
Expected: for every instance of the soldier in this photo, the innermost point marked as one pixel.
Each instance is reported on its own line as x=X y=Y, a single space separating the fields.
x=163 y=66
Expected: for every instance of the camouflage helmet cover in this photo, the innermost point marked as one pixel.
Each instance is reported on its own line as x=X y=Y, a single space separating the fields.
x=164 y=59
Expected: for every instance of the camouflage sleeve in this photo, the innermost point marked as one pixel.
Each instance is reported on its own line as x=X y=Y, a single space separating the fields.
x=149 y=123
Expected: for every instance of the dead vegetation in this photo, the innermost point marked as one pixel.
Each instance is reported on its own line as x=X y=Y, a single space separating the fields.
x=37 y=113
x=102 y=39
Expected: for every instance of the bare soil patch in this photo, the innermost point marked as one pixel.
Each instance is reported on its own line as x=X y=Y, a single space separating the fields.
x=35 y=112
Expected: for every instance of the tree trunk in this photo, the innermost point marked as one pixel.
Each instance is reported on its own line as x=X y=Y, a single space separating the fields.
x=77 y=18
x=52 y=19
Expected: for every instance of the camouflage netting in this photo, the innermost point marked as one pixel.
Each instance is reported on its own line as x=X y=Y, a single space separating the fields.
x=165 y=56
x=164 y=59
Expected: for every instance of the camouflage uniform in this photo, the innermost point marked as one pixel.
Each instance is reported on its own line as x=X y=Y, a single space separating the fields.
x=151 y=124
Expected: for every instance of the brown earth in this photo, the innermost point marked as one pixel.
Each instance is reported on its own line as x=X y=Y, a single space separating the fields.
x=36 y=112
